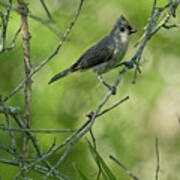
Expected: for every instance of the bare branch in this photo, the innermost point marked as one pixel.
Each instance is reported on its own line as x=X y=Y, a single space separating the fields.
x=65 y=142
x=157 y=158
x=11 y=134
x=5 y=161
x=124 y=168
x=47 y=11
x=52 y=146
x=90 y=114
x=37 y=168
x=113 y=106
x=48 y=131
x=14 y=39
x=6 y=149
x=5 y=24
x=55 y=52
x=150 y=31
x=26 y=45
x=42 y=21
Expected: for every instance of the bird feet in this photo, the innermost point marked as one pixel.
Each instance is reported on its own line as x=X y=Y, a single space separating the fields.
x=129 y=64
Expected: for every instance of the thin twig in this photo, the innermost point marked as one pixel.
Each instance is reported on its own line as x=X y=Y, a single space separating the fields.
x=13 y=112
x=46 y=10
x=171 y=26
x=132 y=61
x=124 y=168
x=42 y=21
x=89 y=126
x=14 y=39
x=52 y=146
x=36 y=70
x=157 y=159
x=5 y=24
x=34 y=142
x=37 y=168
x=11 y=134
x=48 y=131
x=113 y=106
x=7 y=149
x=90 y=114
x=55 y=52
x=6 y=161
x=65 y=142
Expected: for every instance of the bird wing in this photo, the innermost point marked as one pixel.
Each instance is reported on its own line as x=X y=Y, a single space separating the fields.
x=99 y=53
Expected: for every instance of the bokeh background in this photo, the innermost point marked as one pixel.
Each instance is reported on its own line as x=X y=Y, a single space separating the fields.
x=127 y=132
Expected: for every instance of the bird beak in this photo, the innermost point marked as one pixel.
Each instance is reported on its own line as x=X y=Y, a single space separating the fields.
x=133 y=31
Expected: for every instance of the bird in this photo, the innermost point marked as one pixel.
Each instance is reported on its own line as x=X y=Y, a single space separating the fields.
x=105 y=54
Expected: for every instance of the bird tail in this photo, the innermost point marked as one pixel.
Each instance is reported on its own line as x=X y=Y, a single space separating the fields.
x=61 y=74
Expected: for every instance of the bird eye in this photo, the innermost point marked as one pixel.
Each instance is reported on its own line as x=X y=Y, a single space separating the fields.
x=122 y=29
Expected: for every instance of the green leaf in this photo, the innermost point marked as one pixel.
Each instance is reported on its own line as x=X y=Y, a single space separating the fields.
x=81 y=174
x=99 y=160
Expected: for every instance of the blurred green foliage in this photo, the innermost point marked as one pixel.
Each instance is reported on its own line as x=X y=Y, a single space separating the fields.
x=127 y=132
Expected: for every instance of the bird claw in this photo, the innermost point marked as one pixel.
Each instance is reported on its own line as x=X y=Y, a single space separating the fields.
x=129 y=64
x=112 y=89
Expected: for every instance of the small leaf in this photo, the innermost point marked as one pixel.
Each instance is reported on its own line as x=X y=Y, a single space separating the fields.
x=81 y=174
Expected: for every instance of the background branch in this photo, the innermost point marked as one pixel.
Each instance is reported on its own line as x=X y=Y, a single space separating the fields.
x=26 y=45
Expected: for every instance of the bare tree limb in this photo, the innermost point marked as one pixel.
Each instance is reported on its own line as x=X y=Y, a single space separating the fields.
x=151 y=29
x=158 y=19
x=26 y=45
x=55 y=52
